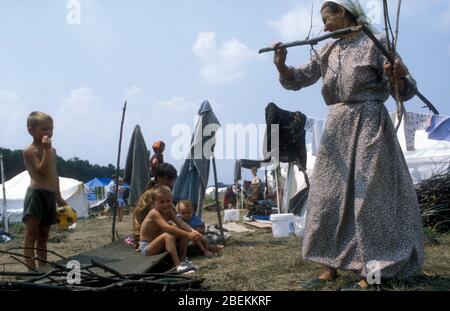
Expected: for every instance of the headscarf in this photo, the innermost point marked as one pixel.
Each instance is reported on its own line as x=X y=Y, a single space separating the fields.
x=355 y=8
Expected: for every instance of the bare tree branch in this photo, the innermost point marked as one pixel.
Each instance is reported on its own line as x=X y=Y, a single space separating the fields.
x=313 y=41
x=397 y=24
x=311 y=25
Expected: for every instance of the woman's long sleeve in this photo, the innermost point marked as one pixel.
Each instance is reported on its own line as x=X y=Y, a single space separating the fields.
x=303 y=76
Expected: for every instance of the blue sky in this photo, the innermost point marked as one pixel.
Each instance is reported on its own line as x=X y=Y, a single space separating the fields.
x=166 y=57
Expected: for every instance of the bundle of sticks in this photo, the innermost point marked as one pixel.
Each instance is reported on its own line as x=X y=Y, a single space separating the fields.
x=434 y=201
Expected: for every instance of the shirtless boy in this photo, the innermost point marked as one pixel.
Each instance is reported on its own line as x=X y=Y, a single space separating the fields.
x=43 y=193
x=158 y=235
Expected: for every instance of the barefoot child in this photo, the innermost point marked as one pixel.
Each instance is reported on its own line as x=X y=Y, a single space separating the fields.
x=165 y=175
x=186 y=213
x=157 y=234
x=142 y=208
x=43 y=193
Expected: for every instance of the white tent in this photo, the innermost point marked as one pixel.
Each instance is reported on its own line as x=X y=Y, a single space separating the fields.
x=428 y=158
x=73 y=191
x=210 y=192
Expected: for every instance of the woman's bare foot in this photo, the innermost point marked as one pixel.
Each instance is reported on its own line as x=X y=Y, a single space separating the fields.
x=329 y=275
x=363 y=284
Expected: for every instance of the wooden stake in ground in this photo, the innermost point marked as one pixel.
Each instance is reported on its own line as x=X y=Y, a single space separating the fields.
x=219 y=218
x=117 y=175
x=5 y=209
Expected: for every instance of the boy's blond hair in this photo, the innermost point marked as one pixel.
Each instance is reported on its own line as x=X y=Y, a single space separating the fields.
x=37 y=117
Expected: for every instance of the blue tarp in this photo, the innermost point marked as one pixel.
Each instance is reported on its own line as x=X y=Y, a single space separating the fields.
x=98 y=182
x=102 y=182
x=96 y=190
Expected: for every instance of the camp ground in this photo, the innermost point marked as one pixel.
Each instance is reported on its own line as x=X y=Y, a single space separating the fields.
x=246 y=236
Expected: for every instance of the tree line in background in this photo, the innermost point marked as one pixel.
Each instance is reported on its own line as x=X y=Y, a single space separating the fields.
x=73 y=168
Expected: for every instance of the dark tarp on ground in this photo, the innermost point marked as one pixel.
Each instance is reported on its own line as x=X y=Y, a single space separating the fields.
x=193 y=178
x=117 y=255
x=137 y=171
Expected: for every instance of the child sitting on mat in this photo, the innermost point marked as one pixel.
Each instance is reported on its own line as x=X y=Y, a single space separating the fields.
x=158 y=235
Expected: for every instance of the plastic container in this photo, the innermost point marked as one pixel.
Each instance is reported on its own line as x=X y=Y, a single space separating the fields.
x=282 y=225
x=299 y=225
x=231 y=215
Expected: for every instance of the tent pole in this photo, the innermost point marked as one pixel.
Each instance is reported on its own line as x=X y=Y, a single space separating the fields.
x=277 y=182
x=241 y=195
x=219 y=218
x=287 y=187
x=237 y=195
x=200 y=201
x=267 y=186
x=117 y=175
x=5 y=210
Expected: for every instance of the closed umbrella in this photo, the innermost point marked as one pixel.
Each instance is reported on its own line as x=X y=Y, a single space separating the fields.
x=137 y=171
x=193 y=178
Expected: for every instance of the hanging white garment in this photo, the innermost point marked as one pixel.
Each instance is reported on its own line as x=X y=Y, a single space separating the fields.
x=413 y=122
x=316 y=126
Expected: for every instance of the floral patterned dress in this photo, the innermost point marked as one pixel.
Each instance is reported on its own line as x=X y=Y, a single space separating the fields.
x=362 y=212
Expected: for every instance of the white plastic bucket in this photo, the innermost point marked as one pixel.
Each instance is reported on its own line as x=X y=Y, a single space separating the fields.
x=231 y=215
x=282 y=225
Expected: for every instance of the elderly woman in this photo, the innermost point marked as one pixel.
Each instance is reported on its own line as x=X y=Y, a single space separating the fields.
x=363 y=213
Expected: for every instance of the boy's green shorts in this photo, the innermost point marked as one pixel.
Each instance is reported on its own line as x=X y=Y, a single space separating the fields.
x=40 y=204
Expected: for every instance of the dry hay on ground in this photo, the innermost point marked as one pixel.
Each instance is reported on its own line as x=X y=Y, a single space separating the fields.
x=250 y=261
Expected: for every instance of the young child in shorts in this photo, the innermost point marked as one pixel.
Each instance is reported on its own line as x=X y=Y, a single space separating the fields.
x=43 y=193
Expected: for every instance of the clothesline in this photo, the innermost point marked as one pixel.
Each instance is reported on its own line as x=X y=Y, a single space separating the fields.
x=437 y=127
